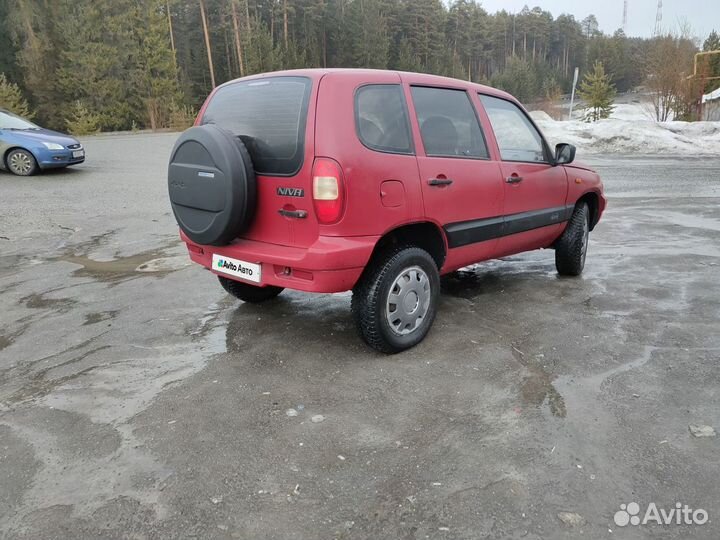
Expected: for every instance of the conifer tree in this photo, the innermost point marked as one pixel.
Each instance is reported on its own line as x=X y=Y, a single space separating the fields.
x=598 y=93
x=11 y=98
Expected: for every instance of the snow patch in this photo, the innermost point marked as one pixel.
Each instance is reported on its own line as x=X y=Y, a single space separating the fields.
x=631 y=130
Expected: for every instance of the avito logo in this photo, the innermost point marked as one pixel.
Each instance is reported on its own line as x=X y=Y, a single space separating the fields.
x=229 y=265
x=629 y=514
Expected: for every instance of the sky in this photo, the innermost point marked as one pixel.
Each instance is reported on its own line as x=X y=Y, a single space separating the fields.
x=702 y=15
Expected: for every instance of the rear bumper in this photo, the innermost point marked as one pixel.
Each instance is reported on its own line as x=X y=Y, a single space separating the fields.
x=329 y=265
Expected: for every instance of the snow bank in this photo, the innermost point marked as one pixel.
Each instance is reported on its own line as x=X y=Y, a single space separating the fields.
x=630 y=130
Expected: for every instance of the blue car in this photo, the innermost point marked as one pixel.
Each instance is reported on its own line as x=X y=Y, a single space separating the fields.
x=26 y=148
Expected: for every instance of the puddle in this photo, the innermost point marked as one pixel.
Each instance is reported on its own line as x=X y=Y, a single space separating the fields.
x=39 y=385
x=165 y=264
x=99 y=316
x=119 y=269
x=39 y=301
x=538 y=387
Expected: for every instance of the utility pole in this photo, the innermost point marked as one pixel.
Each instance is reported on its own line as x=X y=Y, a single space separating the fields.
x=572 y=95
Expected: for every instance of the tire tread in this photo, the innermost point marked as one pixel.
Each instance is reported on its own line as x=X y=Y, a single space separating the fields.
x=366 y=296
x=568 y=249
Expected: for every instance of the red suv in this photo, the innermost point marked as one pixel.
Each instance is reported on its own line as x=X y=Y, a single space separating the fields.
x=327 y=180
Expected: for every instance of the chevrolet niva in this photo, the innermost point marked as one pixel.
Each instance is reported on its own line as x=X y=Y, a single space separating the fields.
x=379 y=182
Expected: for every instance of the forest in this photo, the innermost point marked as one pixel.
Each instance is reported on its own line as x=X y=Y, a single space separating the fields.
x=131 y=64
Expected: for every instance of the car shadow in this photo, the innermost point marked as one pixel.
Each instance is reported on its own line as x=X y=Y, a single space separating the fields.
x=65 y=171
x=322 y=324
x=496 y=276
x=294 y=323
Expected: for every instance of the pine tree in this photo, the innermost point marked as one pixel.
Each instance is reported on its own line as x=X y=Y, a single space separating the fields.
x=155 y=72
x=598 y=93
x=8 y=49
x=119 y=63
x=11 y=98
x=128 y=61
x=367 y=32
x=712 y=43
x=81 y=121
x=34 y=28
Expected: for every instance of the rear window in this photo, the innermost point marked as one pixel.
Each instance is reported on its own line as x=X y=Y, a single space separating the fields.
x=381 y=118
x=269 y=115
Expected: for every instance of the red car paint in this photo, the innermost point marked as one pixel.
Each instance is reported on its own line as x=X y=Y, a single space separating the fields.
x=383 y=192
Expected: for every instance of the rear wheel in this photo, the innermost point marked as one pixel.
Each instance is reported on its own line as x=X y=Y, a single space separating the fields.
x=395 y=301
x=571 y=248
x=21 y=162
x=249 y=293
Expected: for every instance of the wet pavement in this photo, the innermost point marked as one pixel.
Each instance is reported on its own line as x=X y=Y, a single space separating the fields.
x=137 y=400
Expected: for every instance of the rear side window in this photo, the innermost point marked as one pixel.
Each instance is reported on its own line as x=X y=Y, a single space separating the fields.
x=515 y=134
x=381 y=118
x=269 y=115
x=448 y=123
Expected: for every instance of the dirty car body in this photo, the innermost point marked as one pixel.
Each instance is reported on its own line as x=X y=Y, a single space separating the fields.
x=373 y=181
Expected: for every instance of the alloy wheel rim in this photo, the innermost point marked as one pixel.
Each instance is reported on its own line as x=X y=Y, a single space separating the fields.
x=20 y=163
x=408 y=300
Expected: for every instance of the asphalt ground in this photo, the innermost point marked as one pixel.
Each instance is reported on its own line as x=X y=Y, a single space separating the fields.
x=138 y=400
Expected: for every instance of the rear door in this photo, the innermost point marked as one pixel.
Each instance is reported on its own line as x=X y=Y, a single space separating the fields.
x=535 y=190
x=462 y=188
x=271 y=115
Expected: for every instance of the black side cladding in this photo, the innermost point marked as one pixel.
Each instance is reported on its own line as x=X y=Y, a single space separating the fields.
x=212 y=185
x=463 y=233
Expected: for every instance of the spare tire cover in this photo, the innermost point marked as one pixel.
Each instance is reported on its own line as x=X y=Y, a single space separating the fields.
x=212 y=186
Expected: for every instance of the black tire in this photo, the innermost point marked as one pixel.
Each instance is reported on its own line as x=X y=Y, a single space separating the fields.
x=249 y=293
x=21 y=162
x=212 y=185
x=370 y=300
x=571 y=247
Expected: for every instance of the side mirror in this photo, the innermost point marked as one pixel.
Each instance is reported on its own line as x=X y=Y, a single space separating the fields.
x=564 y=154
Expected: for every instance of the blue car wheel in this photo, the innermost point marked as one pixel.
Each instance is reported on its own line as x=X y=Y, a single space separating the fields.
x=21 y=162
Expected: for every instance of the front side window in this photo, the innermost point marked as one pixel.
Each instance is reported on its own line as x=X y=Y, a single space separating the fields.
x=448 y=123
x=381 y=118
x=515 y=134
x=269 y=115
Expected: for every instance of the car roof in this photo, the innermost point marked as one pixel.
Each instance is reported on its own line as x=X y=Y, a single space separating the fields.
x=367 y=76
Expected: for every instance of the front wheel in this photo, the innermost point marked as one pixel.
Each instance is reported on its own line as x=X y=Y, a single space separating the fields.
x=249 y=293
x=21 y=162
x=395 y=301
x=571 y=248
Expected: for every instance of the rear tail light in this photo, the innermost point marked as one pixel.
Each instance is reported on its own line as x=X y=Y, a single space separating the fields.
x=328 y=190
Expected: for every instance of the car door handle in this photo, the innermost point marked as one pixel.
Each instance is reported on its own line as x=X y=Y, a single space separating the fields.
x=440 y=181
x=293 y=213
x=514 y=179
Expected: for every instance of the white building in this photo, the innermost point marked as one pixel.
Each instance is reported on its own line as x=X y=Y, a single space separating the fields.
x=711 y=105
